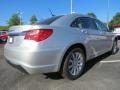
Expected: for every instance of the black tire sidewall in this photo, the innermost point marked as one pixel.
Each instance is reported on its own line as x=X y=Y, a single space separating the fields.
x=65 y=72
x=114 y=43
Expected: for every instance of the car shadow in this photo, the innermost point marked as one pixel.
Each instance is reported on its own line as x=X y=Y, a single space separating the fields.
x=89 y=65
x=54 y=76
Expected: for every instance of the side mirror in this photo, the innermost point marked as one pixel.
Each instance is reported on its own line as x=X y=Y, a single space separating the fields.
x=80 y=26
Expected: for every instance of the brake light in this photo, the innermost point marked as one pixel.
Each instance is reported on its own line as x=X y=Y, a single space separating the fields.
x=4 y=35
x=38 y=34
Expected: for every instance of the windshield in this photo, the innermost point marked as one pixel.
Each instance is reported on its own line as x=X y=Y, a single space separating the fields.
x=49 y=20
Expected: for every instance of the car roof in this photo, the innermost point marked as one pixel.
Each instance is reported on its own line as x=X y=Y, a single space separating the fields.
x=77 y=14
x=66 y=20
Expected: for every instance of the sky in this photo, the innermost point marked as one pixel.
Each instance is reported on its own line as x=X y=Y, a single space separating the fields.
x=58 y=7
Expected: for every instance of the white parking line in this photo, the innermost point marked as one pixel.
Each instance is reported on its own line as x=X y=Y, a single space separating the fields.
x=110 y=61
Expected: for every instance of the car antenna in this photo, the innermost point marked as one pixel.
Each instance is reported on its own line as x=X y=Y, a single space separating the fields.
x=51 y=12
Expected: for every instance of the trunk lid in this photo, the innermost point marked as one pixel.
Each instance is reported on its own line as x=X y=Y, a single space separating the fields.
x=17 y=33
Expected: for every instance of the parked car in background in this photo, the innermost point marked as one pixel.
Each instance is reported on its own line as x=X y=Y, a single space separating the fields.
x=3 y=36
x=59 y=44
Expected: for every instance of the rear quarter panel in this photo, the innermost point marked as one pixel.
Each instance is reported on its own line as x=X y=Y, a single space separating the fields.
x=63 y=38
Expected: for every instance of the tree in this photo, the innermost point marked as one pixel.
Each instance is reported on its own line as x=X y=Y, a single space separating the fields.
x=115 y=20
x=14 y=20
x=33 y=19
x=91 y=14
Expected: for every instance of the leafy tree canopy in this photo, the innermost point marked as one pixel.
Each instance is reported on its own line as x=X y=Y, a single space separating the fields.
x=91 y=14
x=14 y=20
x=115 y=20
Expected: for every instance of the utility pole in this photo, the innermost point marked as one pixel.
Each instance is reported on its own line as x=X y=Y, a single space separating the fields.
x=20 y=16
x=108 y=12
x=71 y=6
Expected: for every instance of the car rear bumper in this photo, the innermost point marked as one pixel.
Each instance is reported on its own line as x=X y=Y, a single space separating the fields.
x=32 y=69
x=32 y=62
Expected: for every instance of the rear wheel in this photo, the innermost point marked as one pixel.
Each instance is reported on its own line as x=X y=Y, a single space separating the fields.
x=4 y=39
x=74 y=64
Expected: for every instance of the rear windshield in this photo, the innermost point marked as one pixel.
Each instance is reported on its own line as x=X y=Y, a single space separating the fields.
x=49 y=20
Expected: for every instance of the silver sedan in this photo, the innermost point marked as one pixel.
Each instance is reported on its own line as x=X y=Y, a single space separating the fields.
x=58 y=44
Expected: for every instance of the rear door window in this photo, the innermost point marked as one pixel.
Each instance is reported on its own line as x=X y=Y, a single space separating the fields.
x=93 y=24
x=84 y=21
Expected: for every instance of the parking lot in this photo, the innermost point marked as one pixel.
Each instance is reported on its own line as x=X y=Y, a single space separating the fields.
x=102 y=73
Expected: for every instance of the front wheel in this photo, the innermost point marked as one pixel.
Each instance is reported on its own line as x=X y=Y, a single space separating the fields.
x=115 y=47
x=74 y=64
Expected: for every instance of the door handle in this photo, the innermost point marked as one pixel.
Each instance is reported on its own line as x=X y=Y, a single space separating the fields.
x=101 y=33
x=84 y=31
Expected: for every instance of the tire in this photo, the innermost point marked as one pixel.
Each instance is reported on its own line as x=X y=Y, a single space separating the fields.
x=3 y=39
x=74 y=64
x=115 y=47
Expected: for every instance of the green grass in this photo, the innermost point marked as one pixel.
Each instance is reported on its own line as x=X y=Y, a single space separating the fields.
x=4 y=27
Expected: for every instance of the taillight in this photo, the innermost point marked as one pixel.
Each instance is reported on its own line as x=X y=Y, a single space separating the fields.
x=38 y=34
x=4 y=35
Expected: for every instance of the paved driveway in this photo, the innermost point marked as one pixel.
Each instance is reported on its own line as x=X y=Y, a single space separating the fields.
x=102 y=73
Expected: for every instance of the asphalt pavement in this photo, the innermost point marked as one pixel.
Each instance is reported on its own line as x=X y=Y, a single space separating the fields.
x=101 y=73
